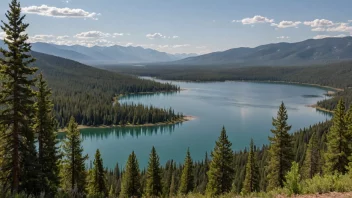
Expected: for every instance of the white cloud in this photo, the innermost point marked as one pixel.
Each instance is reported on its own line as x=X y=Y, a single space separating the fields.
x=286 y=24
x=255 y=19
x=327 y=36
x=163 y=46
x=318 y=29
x=45 y=10
x=201 y=47
x=2 y=35
x=117 y=34
x=341 y=27
x=160 y=36
x=283 y=37
x=319 y=23
x=41 y=38
x=155 y=36
x=62 y=37
x=92 y=35
x=183 y=45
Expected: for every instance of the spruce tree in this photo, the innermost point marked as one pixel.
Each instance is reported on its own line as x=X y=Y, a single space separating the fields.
x=311 y=165
x=17 y=103
x=280 y=151
x=187 y=178
x=131 y=186
x=45 y=126
x=73 y=164
x=338 y=148
x=167 y=178
x=349 y=132
x=97 y=183
x=173 y=185
x=220 y=174
x=251 y=181
x=154 y=186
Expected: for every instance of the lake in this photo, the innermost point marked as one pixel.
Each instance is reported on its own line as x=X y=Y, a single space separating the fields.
x=244 y=108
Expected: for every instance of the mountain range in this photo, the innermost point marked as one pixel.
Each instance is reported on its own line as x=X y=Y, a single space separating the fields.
x=308 y=52
x=98 y=55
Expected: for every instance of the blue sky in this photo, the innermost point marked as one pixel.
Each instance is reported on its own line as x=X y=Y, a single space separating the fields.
x=183 y=26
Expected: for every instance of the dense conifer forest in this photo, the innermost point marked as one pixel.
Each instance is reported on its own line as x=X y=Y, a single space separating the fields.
x=337 y=75
x=313 y=160
x=87 y=94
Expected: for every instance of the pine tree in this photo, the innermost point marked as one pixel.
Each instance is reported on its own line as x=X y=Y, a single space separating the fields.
x=187 y=178
x=167 y=179
x=280 y=151
x=73 y=164
x=154 y=186
x=17 y=103
x=220 y=174
x=131 y=186
x=173 y=185
x=251 y=182
x=349 y=133
x=338 y=149
x=45 y=127
x=117 y=177
x=311 y=165
x=97 y=183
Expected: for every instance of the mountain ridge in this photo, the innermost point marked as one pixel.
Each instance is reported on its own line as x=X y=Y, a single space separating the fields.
x=107 y=55
x=311 y=51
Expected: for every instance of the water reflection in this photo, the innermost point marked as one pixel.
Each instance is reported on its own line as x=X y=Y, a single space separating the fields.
x=123 y=132
x=147 y=95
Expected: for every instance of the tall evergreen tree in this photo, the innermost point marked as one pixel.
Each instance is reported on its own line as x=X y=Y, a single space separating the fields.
x=97 y=183
x=131 y=179
x=187 y=177
x=117 y=177
x=73 y=164
x=349 y=133
x=45 y=126
x=312 y=165
x=220 y=174
x=338 y=148
x=17 y=101
x=167 y=178
x=280 y=151
x=173 y=185
x=251 y=181
x=153 y=186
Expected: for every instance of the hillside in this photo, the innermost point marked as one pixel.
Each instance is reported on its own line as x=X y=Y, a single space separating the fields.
x=107 y=55
x=312 y=51
x=336 y=75
x=87 y=93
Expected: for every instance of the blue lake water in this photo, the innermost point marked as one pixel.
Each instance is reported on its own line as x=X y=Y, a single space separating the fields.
x=244 y=108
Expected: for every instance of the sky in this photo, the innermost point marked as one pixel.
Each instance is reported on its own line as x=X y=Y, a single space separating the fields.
x=183 y=26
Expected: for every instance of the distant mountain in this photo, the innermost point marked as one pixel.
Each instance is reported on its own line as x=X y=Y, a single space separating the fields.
x=107 y=55
x=312 y=51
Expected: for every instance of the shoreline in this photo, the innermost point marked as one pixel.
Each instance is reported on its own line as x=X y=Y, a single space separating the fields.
x=335 y=89
x=263 y=81
x=184 y=119
x=315 y=106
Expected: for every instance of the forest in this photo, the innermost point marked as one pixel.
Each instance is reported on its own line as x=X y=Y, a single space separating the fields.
x=313 y=160
x=87 y=94
x=336 y=75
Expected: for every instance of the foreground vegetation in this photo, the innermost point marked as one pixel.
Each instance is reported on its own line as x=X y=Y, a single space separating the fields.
x=31 y=164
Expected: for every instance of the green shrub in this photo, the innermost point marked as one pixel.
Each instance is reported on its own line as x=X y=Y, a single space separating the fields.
x=293 y=178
